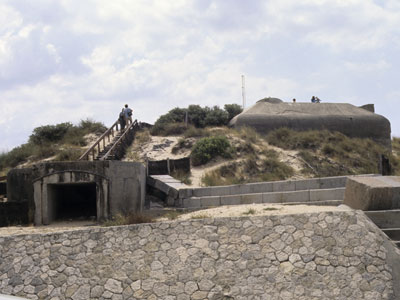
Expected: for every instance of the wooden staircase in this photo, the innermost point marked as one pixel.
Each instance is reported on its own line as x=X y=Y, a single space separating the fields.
x=112 y=144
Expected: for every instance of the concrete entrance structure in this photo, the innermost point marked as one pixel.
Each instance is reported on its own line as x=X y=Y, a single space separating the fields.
x=271 y=113
x=69 y=190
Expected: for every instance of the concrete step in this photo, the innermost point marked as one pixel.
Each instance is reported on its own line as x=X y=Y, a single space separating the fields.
x=310 y=197
x=385 y=219
x=319 y=203
x=392 y=233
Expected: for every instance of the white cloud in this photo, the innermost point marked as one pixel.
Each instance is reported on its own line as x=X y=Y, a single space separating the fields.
x=68 y=60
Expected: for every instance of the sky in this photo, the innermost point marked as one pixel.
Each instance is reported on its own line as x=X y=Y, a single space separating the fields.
x=68 y=60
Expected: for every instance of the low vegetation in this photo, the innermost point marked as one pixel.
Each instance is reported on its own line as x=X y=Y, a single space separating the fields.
x=64 y=141
x=208 y=148
x=127 y=219
x=175 y=121
x=326 y=153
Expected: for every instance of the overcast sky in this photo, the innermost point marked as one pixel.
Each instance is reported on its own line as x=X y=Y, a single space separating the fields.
x=67 y=60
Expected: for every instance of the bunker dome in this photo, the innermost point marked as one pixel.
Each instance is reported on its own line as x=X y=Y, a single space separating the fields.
x=272 y=113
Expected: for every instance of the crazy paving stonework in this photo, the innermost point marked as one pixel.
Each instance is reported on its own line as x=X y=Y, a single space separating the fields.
x=334 y=255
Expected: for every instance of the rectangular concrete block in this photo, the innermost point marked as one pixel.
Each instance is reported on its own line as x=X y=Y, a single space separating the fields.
x=219 y=190
x=185 y=193
x=260 y=187
x=296 y=196
x=272 y=197
x=327 y=194
x=283 y=186
x=193 y=202
x=373 y=193
x=230 y=200
x=333 y=182
x=307 y=184
x=201 y=192
x=251 y=198
x=210 y=201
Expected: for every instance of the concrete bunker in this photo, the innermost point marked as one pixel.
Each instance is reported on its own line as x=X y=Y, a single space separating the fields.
x=95 y=190
x=271 y=113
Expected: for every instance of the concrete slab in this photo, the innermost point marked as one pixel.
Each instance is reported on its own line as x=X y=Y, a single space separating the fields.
x=373 y=193
x=296 y=196
x=272 y=198
x=260 y=187
x=251 y=198
x=307 y=184
x=283 y=186
x=193 y=202
x=185 y=193
x=327 y=194
x=220 y=190
x=333 y=182
x=210 y=201
x=385 y=218
x=231 y=200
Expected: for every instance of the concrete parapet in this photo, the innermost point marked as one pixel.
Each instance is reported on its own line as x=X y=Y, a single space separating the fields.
x=373 y=193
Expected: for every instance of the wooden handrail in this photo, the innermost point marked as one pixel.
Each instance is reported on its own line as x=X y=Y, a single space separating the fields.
x=121 y=138
x=107 y=133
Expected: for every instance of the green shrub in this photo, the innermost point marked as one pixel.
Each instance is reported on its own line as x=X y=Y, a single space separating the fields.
x=216 y=117
x=91 y=126
x=233 y=110
x=197 y=115
x=208 y=148
x=16 y=156
x=49 y=133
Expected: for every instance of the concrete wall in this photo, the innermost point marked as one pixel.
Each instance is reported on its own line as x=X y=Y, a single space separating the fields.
x=120 y=186
x=331 y=255
x=3 y=188
x=12 y=213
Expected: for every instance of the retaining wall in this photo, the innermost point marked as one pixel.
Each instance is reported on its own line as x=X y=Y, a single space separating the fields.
x=330 y=255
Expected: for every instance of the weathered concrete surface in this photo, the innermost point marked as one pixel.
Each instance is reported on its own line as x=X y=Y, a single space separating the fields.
x=330 y=255
x=119 y=186
x=373 y=193
x=342 y=117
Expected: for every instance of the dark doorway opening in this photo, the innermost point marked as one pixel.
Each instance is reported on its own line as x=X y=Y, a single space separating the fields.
x=72 y=201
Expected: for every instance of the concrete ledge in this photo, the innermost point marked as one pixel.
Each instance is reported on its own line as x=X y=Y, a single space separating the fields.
x=373 y=193
x=210 y=201
x=385 y=218
x=327 y=194
x=251 y=198
x=230 y=200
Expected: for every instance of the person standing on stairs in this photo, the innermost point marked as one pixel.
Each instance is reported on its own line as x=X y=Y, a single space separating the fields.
x=128 y=114
x=121 y=119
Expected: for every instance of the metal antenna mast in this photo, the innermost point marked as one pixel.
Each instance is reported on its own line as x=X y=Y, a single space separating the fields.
x=243 y=92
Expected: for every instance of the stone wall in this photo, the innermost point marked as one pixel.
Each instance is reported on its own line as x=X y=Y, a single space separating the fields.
x=331 y=255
